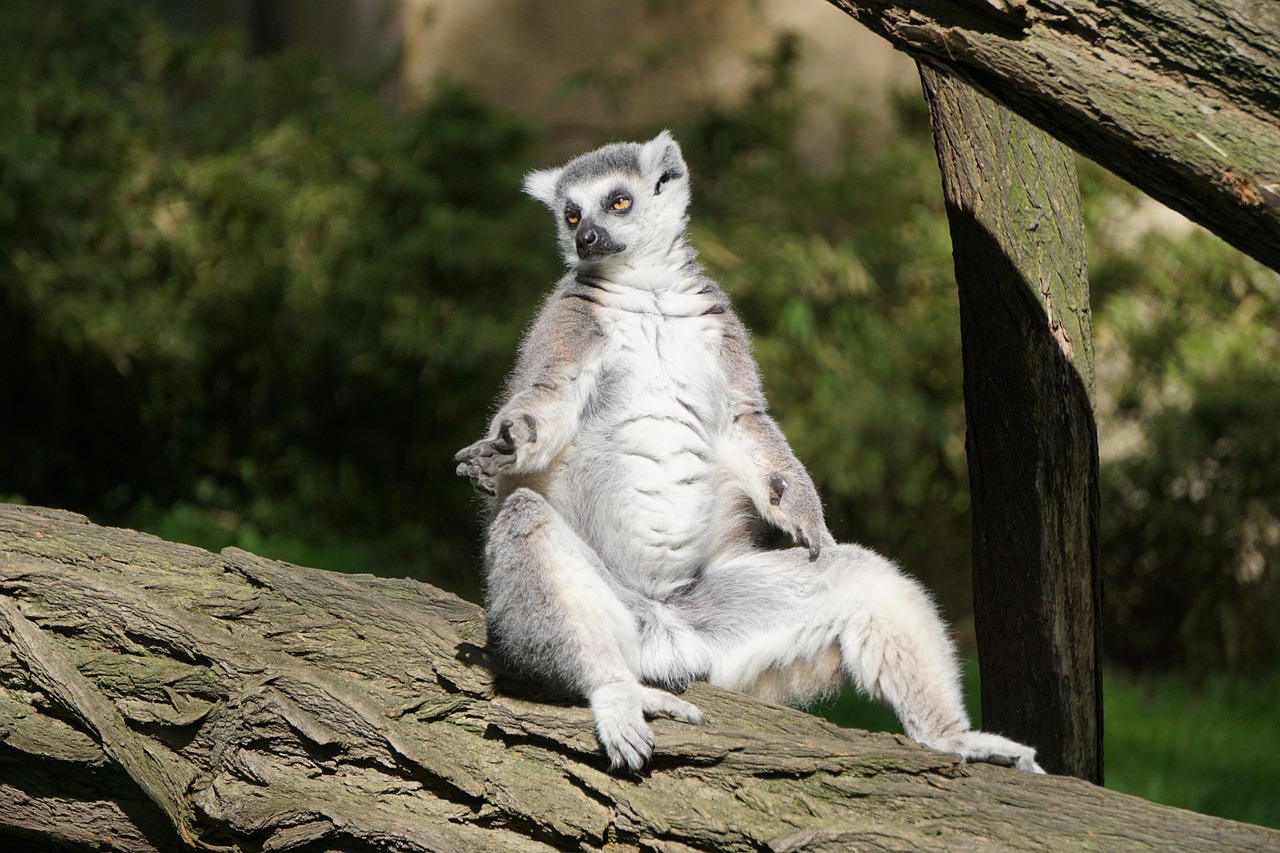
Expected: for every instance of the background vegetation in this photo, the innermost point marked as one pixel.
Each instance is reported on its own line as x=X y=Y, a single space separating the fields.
x=248 y=303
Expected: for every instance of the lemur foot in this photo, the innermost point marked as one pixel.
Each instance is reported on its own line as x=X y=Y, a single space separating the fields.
x=989 y=748
x=483 y=460
x=620 y=711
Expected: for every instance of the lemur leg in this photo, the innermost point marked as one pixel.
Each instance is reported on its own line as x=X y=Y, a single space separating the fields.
x=851 y=613
x=552 y=613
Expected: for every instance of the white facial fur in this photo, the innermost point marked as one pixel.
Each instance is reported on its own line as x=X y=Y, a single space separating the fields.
x=653 y=175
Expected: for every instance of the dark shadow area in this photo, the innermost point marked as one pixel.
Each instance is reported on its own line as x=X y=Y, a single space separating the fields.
x=71 y=434
x=56 y=784
x=1033 y=469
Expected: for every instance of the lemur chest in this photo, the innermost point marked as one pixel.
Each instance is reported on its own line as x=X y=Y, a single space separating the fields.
x=663 y=385
x=646 y=473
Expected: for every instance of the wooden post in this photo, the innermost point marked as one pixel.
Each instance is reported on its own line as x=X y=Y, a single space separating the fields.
x=1013 y=204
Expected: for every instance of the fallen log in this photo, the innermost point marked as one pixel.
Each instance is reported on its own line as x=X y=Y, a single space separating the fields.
x=155 y=696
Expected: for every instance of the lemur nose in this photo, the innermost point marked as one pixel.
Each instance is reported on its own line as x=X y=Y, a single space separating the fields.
x=593 y=241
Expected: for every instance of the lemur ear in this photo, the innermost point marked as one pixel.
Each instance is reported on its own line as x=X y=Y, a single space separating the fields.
x=661 y=160
x=542 y=185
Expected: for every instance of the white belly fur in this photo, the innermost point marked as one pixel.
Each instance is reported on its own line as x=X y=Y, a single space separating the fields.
x=643 y=482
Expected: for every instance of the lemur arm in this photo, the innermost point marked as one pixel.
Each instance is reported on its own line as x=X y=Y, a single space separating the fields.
x=776 y=481
x=550 y=388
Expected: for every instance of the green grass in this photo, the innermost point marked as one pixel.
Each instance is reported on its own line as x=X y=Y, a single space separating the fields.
x=1212 y=746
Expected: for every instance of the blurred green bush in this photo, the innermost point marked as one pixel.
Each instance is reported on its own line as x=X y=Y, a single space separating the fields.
x=249 y=303
x=246 y=296
x=1188 y=335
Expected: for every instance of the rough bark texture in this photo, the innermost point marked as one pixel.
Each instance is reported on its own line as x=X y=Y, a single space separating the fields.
x=1180 y=97
x=155 y=696
x=1013 y=204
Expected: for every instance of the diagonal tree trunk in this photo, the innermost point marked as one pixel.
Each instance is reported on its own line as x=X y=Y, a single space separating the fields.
x=155 y=696
x=1013 y=204
x=1179 y=97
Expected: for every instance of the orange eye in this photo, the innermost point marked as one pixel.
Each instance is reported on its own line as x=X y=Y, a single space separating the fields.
x=572 y=218
x=621 y=203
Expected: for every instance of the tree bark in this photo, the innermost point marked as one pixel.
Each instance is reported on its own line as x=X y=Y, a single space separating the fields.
x=1179 y=97
x=157 y=697
x=1017 y=233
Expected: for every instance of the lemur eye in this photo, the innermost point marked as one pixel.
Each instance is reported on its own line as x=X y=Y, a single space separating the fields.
x=572 y=218
x=622 y=202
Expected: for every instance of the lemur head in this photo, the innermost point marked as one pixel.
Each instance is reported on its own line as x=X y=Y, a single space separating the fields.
x=623 y=204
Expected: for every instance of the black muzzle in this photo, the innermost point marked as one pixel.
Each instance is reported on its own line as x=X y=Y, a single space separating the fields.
x=594 y=241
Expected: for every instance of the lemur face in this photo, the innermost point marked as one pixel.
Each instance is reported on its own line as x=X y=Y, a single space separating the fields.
x=622 y=204
x=593 y=218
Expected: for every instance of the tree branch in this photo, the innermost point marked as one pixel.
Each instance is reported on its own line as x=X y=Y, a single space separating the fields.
x=1179 y=97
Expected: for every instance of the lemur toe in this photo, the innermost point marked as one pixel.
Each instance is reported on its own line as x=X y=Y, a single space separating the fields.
x=990 y=749
x=659 y=703
x=619 y=714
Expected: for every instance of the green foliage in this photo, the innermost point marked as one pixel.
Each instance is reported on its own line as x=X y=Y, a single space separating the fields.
x=249 y=288
x=1211 y=746
x=1189 y=332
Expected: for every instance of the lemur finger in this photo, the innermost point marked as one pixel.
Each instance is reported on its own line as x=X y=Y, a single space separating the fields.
x=532 y=425
x=476 y=453
x=503 y=442
x=513 y=434
x=808 y=539
x=815 y=544
x=472 y=467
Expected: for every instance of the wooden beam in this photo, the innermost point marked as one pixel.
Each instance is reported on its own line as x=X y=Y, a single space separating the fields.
x=1179 y=97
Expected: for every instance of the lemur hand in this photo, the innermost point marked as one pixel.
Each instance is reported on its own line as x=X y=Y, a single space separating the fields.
x=800 y=512
x=483 y=460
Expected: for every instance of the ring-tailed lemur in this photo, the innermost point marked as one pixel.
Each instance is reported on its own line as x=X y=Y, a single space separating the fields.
x=623 y=464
